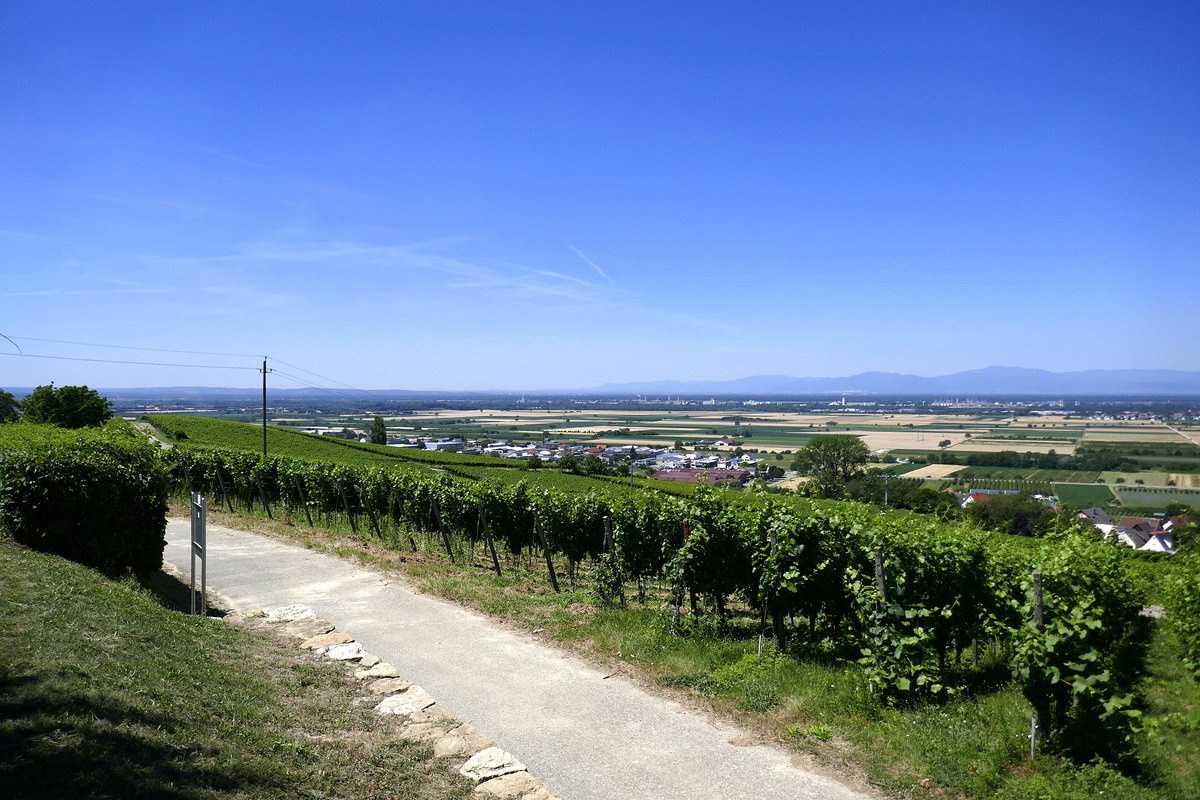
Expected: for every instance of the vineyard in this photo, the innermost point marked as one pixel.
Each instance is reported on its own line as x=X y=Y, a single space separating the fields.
x=927 y=609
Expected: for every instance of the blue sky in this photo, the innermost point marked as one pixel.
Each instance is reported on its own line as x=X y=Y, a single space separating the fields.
x=518 y=195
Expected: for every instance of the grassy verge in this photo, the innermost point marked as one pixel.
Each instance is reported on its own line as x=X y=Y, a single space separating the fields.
x=813 y=701
x=105 y=693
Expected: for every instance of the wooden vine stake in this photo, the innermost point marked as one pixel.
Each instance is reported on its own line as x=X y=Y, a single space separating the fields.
x=299 y=484
x=346 y=505
x=397 y=506
x=778 y=629
x=610 y=556
x=541 y=537
x=370 y=515
x=1039 y=724
x=225 y=493
x=436 y=508
x=880 y=583
x=487 y=538
x=679 y=589
x=262 y=494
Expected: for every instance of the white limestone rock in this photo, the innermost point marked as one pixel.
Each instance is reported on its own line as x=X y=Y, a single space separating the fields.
x=350 y=651
x=405 y=704
x=490 y=763
x=381 y=670
x=290 y=613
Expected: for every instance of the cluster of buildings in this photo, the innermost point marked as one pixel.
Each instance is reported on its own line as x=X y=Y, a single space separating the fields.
x=1150 y=534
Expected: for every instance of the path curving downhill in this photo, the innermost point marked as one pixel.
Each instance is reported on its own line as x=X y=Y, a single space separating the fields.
x=588 y=736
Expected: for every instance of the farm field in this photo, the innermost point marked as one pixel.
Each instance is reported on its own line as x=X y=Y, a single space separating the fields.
x=933 y=471
x=1030 y=474
x=1161 y=435
x=1083 y=495
x=1152 y=478
x=898 y=435
x=1143 y=497
x=1000 y=446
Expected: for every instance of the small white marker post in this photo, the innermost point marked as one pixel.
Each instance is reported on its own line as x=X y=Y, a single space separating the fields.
x=199 y=514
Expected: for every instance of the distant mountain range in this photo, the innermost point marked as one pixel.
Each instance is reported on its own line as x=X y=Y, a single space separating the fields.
x=989 y=381
x=981 y=382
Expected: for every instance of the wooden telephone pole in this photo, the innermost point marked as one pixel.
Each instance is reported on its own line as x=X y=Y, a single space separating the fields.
x=264 y=405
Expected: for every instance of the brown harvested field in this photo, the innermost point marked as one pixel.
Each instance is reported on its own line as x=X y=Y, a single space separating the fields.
x=1185 y=479
x=792 y=483
x=978 y=446
x=866 y=419
x=934 y=471
x=907 y=440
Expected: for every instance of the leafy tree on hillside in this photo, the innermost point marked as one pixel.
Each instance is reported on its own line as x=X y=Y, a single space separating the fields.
x=569 y=463
x=66 y=407
x=594 y=465
x=1017 y=514
x=9 y=408
x=378 y=431
x=831 y=461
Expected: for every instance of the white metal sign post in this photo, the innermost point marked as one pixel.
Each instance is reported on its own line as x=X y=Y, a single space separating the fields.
x=199 y=513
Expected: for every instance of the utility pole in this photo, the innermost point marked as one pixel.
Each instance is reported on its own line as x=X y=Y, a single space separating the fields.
x=264 y=406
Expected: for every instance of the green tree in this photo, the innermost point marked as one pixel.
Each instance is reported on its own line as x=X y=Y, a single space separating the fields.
x=66 y=407
x=9 y=408
x=944 y=443
x=534 y=462
x=569 y=463
x=378 y=431
x=594 y=465
x=831 y=461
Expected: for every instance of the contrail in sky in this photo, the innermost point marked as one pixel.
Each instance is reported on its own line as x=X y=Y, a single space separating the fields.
x=590 y=263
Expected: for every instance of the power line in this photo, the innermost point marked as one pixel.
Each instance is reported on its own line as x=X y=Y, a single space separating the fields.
x=308 y=385
x=129 y=347
x=295 y=378
x=310 y=372
x=138 y=363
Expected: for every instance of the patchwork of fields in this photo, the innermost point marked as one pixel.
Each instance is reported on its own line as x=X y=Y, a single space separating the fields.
x=1165 y=457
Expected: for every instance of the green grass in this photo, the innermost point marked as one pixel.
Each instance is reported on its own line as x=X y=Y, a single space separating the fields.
x=1083 y=496
x=1157 y=498
x=186 y=429
x=104 y=693
x=1033 y=474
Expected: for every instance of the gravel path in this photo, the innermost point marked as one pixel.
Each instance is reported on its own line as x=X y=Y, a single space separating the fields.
x=587 y=736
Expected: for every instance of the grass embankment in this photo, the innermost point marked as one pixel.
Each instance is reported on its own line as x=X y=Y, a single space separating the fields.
x=814 y=701
x=105 y=693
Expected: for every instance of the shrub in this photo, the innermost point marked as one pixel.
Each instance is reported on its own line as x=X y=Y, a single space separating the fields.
x=94 y=496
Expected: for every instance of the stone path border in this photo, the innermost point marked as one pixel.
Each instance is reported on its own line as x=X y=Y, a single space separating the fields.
x=418 y=717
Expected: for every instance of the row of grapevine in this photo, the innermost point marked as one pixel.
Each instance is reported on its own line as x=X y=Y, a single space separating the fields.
x=906 y=594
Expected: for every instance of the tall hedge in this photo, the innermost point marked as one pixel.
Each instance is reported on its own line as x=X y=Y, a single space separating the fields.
x=1182 y=600
x=98 y=497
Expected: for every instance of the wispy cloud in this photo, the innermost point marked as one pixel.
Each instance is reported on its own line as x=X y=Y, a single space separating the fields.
x=148 y=203
x=590 y=263
x=70 y=292
x=235 y=159
x=427 y=266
